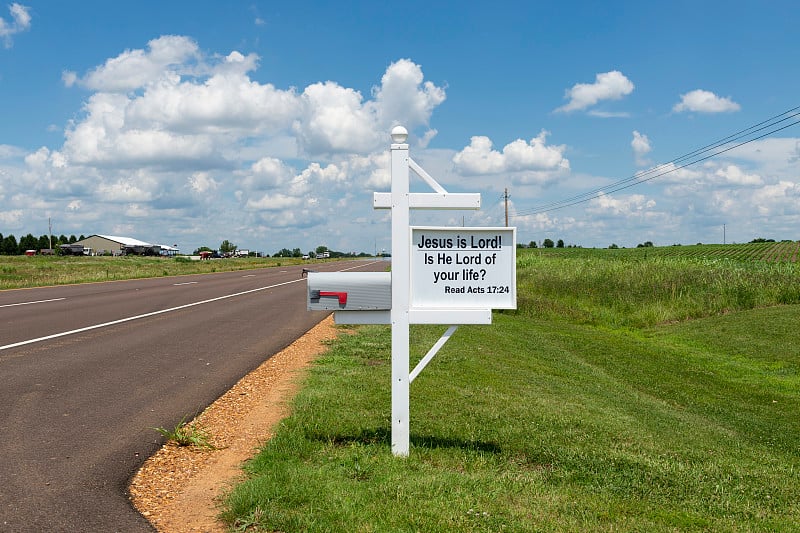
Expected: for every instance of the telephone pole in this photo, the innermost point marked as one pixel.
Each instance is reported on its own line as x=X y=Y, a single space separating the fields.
x=505 y=198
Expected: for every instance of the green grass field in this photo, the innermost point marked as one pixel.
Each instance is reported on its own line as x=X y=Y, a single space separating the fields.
x=20 y=271
x=630 y=391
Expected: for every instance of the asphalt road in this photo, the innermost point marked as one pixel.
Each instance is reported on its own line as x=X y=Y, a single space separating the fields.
x=86 y=372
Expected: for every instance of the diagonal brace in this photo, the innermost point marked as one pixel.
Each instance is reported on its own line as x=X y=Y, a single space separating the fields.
x=431 y=353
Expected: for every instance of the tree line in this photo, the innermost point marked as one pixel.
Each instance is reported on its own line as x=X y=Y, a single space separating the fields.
x=547 y=243
x=9 y=245
x=228 y=249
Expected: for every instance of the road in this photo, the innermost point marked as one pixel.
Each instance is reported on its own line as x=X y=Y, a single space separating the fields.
x=86 y=372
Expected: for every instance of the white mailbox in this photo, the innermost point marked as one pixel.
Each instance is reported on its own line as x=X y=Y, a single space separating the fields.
x=349 y=291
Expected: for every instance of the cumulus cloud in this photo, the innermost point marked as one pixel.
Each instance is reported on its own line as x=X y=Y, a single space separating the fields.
x=202 y=182
x=10 y=152
x=166 y=56
x=480 y=158
x=630 y=205
x=641 y=147
x=273 y=202
x=701 y=101
x=21 y=21
x=12 y=218
x=732 y=174
x=337 y=119
x=170 y=105
x=404 y=96
x=611 y=85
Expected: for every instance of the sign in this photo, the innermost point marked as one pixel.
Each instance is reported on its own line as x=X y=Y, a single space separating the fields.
x=463 y=268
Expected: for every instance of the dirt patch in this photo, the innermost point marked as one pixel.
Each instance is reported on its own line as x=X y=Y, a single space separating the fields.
x=178 y=488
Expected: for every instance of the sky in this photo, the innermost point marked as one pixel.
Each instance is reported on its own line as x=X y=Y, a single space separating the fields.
x=267 y=123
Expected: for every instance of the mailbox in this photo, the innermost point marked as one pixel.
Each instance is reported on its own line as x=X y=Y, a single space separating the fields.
x=349 y=291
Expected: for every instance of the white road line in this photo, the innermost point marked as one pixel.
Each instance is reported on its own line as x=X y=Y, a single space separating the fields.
x=360 y=266
x=186 y=283
x=249 y=276
x=130 y=318
x=36 y=302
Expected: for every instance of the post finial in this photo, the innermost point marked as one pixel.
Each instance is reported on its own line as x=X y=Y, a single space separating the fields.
x=399 y=135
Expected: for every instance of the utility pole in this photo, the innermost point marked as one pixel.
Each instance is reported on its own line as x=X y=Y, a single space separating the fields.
x=50 y=233
x=505 y=198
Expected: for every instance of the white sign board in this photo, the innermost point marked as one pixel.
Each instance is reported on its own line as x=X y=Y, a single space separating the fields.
x=463 y=268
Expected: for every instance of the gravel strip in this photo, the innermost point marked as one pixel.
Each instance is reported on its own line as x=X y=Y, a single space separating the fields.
x=178 y=488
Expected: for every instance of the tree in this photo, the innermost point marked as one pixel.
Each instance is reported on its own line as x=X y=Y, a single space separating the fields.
x=28 y=242
x=321 y=250
x=44 y=242
x=548 y=243
x=202 y=249
x=10 y=246
x=227 y=247
x=560 y=243
x=532 y=244
x=297 y=253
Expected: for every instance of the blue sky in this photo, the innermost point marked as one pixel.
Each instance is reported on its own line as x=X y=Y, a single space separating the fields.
x=267 y=123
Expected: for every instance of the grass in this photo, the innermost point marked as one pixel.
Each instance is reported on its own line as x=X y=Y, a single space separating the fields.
x=21 y=271
x=625 y=394
x=187 y=434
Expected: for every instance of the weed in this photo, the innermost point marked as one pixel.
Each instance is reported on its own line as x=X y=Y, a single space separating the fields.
x=188 y=434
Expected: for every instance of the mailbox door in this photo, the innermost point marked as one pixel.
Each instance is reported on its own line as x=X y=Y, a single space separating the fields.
x=349 y=291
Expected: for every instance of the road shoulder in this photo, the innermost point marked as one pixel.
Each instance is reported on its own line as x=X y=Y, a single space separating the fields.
x=178 y=488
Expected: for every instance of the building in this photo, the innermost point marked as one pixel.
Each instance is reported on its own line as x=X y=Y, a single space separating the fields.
x=114 y=245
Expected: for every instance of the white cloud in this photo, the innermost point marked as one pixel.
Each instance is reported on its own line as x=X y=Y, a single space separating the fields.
x=404 y=97
x=137 y=211
x=273 y=202
x=12 y=218
x=205 y=150
x=701 y=101
x=21 y=22
x=124 y=190
x=607 y=86
x=10 y=152
x=641 y=147
x=228 y=102
x=626 y=206
x=733 y=175
x=202 y=182
x=479 y=158
x=266 y=173
x=168 y=56
x=608 y=114
x=338 y=120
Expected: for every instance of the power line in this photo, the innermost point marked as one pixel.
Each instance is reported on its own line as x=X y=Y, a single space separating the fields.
x=674 y=164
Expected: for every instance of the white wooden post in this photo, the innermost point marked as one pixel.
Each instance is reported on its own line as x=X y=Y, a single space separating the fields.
x=401 y=264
